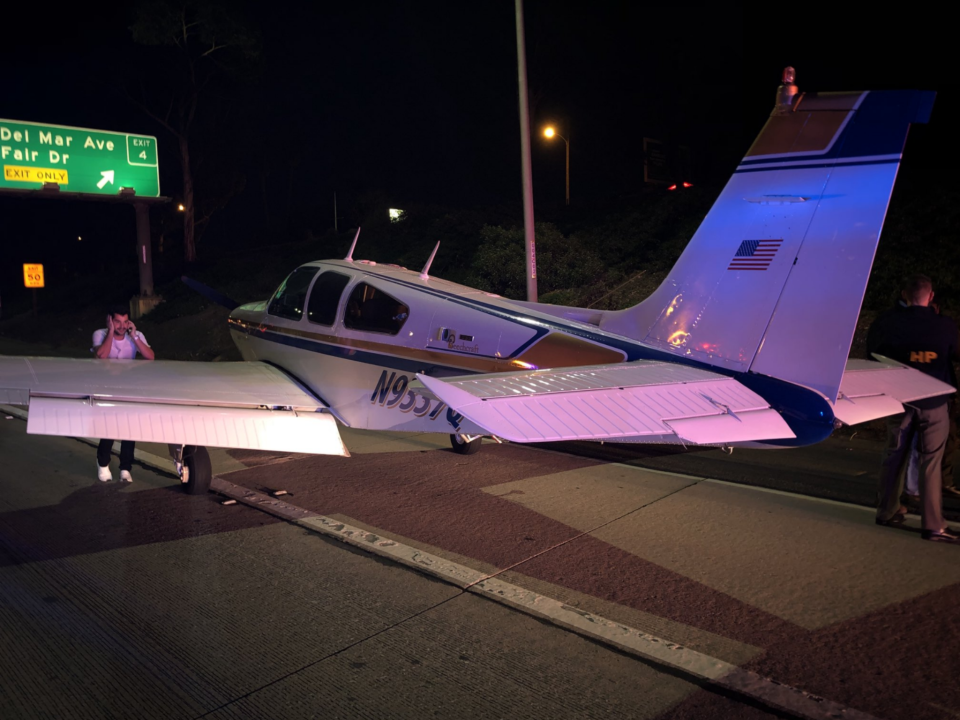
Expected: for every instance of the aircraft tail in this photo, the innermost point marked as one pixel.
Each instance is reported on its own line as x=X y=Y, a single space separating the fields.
x=773 y=280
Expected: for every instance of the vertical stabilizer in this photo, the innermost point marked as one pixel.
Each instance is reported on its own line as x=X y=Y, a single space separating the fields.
x=773 y=280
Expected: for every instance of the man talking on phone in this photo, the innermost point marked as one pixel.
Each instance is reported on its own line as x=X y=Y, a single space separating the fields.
x=119 y=340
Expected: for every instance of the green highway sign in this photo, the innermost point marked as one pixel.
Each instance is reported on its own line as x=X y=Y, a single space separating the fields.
x=78 y=160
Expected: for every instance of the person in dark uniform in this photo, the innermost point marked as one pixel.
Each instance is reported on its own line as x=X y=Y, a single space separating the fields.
x=917 y=336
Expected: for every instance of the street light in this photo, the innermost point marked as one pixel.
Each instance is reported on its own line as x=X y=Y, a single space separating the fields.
x=549 y=133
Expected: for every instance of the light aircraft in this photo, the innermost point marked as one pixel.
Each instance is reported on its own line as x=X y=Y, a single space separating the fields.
x=745 y=343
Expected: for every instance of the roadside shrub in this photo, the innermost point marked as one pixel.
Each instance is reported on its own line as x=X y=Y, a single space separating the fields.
x=563 y=263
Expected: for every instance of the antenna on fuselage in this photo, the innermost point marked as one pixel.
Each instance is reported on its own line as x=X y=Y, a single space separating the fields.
x=426 y=268
x=353 y=246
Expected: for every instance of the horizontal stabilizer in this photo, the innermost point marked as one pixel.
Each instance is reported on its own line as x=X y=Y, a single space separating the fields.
x=628 y=400
x=871 y=390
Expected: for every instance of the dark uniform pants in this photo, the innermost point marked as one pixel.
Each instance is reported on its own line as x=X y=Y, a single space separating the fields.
x=126 y=453
x=952 y=453
x=931 y=428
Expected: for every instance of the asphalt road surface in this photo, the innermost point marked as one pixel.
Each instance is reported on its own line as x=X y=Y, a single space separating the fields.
x=140 y=601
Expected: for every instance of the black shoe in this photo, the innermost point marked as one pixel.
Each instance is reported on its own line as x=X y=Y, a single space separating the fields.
x=951 y=492
x=895 y=521
x=944 y=535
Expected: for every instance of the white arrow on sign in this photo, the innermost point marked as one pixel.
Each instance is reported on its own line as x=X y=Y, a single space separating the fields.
x=107 y=178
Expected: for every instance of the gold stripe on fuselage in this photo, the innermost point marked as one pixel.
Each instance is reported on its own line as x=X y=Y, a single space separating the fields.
x=435 y=357
x=558 y=350
x=554 y=351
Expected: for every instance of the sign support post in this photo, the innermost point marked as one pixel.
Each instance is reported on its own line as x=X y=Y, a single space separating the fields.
x=144 y=254
x=146 y=301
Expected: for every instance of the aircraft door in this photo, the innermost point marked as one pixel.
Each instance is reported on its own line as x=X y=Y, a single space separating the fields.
x=462 y=338
x=325 y=300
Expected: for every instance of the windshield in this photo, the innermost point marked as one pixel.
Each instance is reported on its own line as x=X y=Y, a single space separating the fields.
x=290 y=298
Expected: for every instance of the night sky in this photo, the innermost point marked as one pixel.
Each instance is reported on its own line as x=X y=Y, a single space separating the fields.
x=417 y=101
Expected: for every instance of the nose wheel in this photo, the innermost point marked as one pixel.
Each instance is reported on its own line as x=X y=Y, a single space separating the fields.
x=193 y=466
x=465 y=444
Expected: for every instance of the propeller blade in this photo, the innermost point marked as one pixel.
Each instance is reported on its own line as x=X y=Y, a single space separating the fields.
x=209 y=293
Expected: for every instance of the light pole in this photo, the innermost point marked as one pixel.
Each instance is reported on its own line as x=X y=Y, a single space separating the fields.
x=549 y=133
x=525 y=164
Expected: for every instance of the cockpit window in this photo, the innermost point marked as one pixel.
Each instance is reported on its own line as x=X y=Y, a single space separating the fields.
x=325 y=297
x=291 y=296
x=371 y=309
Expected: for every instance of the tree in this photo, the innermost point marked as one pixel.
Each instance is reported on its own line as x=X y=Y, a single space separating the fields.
x=201 y=48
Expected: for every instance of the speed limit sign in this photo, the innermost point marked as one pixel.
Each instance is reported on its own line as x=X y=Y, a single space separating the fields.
x=32 y=275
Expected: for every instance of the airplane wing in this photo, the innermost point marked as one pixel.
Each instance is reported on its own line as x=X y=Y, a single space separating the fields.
x=871 y=390
x=635 y=400
x=234 y=405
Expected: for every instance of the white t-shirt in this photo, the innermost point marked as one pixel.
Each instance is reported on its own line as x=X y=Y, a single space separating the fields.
x=124 y=349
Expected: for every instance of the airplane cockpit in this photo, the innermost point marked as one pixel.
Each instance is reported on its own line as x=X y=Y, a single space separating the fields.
x=325 y=297
x=289 y=300
x=373 y=310
x=368 y=309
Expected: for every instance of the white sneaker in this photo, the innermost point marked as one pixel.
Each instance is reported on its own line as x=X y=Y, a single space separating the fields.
x=125 y=476
x=103 y=473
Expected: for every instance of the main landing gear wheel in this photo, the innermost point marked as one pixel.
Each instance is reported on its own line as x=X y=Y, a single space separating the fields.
x=465 y=444
x=197 y=470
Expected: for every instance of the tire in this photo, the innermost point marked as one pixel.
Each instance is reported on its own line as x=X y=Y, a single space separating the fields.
x=462 y=447
x=197 y=468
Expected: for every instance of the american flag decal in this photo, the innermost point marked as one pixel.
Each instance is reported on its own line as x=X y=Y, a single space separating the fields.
x=755 y=254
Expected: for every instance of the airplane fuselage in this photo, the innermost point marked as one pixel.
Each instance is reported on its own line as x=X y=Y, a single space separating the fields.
x=365 y=368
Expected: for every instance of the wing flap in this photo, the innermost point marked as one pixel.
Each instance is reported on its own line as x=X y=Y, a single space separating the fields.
x=629 y=400
x=871 y=390
x=276 y=430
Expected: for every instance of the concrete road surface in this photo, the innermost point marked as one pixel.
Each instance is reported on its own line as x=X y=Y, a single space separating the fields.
x=141 y=602
x=224 y=610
